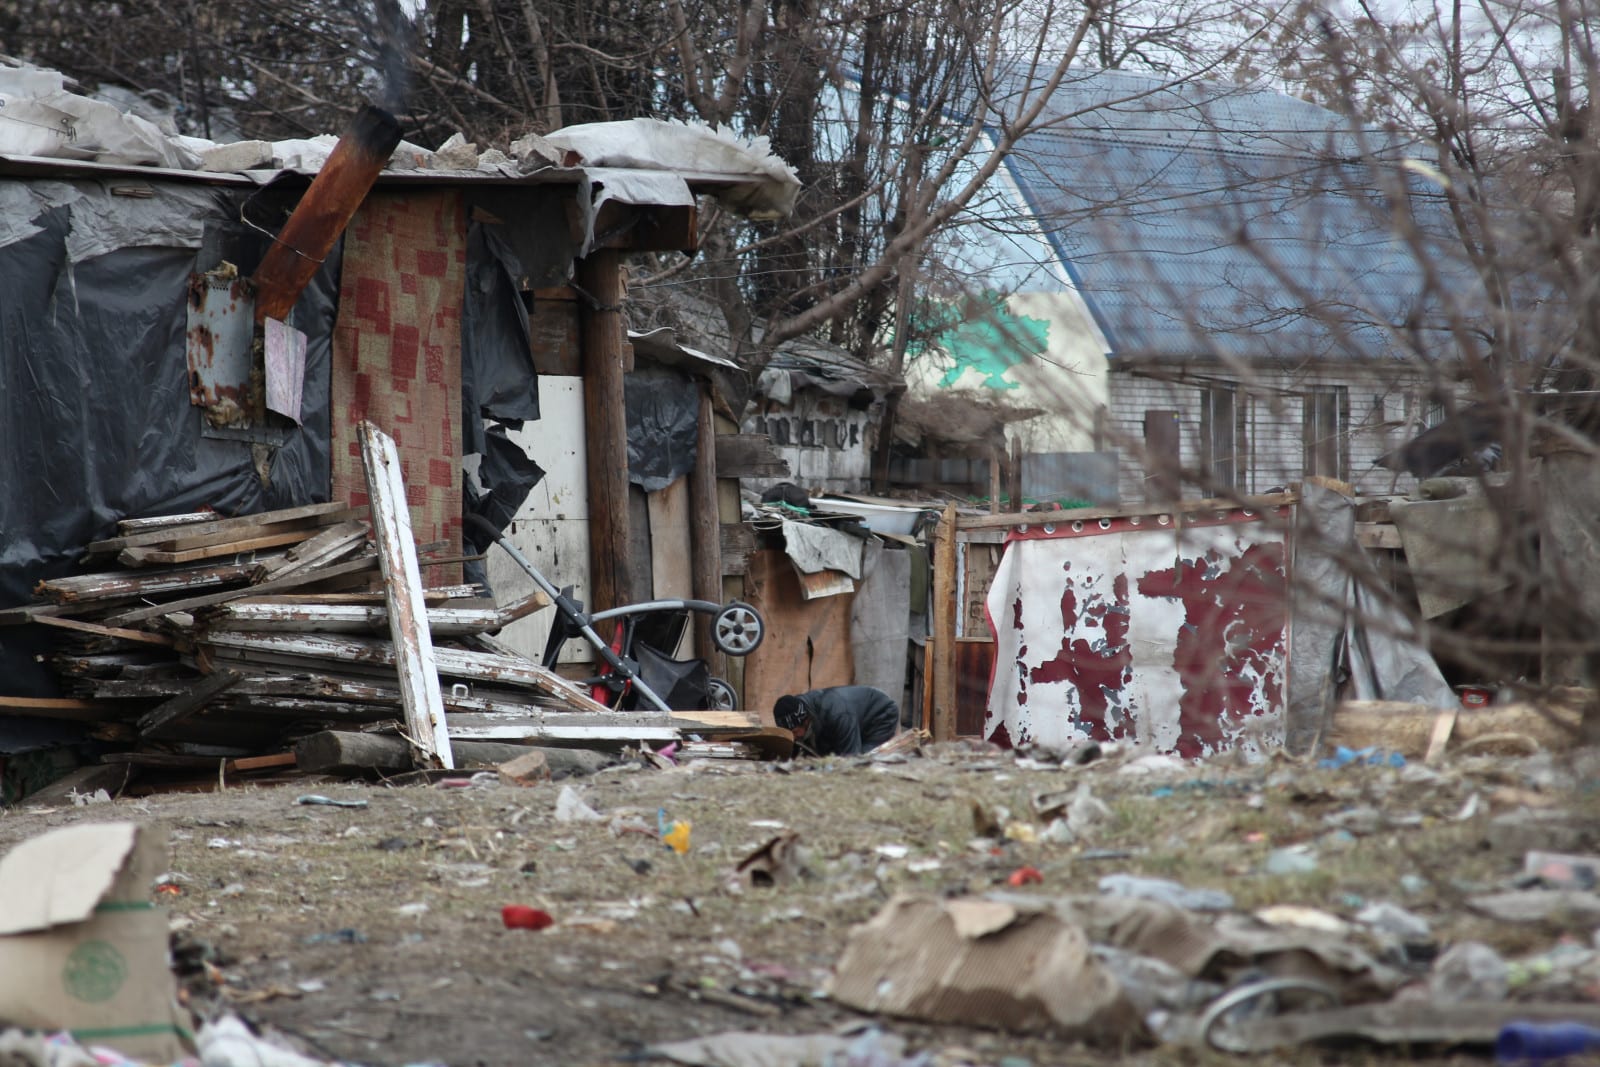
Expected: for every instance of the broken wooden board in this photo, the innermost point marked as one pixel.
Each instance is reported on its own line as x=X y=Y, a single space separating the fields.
x=365 y=618
x=143 y=637
x=311 y=649
x=159 y=522
x=157 y=557
x=160 y=720
x=353 y=566
x=1408 y=728
x=331 y=544
x=191 y=535
x=402 y=582
x=115 y=585
x=611 y=727
x=58 y=708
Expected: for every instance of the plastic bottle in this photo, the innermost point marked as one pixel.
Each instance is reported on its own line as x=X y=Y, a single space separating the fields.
x=1526 y=1042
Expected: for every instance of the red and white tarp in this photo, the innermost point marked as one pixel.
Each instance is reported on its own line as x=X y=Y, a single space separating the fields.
x=1166 y=633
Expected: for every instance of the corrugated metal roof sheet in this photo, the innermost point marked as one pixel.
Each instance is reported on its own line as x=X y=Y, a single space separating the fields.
x=1236 y=222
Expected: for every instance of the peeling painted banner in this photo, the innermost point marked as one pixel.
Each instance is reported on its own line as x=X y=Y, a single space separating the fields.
x=1145 y=629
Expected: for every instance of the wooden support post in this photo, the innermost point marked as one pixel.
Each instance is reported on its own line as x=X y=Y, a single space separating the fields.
x=602 y=338
x=705 y=532
x=324 y=211
x=941 y=672
x=994 y=480
x=402 y=586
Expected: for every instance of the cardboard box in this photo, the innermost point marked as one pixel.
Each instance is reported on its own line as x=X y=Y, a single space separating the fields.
x=1009 y=965
x=82 y=948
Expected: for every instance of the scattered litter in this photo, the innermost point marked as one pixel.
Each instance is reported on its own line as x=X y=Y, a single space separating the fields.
x=311 y=985
x=415 y=909
x=1557 y=870
x=775 y=863
x=893 y=852
x=82 y=947
x=1086 y=812
x=1165 y=892
x=1022 y=833
x=80 y=800
x=328 y=802
x=1469 y=971
x=1396 y=922
x=1527 y=1042
x=571 y=808
x=673 y=835
x=936 y=960
x=1025 y=876
x=873 y=1048
x=1371 y=756
x=346 y=936
x=228 y=1042
x=1304 y=918
x=523 y=917
x=1539 y=905
x=1296 y=859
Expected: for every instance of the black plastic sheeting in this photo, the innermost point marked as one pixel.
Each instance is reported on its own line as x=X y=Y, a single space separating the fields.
x=96 y=423
x=663 y=426
x=500 y=390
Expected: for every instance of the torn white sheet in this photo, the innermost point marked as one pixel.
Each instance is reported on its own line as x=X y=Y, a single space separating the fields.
x=691 y=148
x=63 y=125
x=819 y=548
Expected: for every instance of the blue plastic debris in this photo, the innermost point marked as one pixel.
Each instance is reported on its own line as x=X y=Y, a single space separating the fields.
x=1527 y=1042
x=1366 y=757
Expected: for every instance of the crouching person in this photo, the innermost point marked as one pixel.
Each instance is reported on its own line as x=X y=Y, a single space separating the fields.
x=843 y=720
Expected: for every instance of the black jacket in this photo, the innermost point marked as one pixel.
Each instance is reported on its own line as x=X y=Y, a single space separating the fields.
x=848 y=719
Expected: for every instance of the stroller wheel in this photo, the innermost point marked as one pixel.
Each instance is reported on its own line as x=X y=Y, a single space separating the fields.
x=722 y=696
x=738 y=629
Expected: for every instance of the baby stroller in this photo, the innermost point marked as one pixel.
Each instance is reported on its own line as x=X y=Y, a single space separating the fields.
x=640 y=672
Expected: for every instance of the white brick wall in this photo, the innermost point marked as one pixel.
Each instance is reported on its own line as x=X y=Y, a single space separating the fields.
x=1381 y=401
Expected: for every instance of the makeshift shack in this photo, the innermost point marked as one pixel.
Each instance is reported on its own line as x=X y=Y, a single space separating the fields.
x=208 y=334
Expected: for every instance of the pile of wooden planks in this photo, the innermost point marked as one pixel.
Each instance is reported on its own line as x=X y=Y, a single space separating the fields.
x=205 y=644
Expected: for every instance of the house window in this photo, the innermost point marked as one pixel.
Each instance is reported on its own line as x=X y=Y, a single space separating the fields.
x=1223 y=452
x=1327 y=433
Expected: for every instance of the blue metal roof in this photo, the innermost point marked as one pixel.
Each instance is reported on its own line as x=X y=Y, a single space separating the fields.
x=1210 y=219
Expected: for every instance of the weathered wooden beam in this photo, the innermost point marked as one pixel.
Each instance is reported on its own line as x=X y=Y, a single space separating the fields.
x=152 y=557
x=310 y=514
x=737 y=542
x=1122 y=511
x=352 y=652
x=340 y=752
x=120 y=585
x=81 y=626
x=366 y=618
x=329 y=545
x=402 y=583
x=705 y=532
x=603 y=337
x=749 y=455
x=157 y=522
x=57 y=708
x=169 y=714
x=942 y=675
x=152 y=611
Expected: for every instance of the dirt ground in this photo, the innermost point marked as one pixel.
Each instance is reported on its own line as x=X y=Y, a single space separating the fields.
x=374 y=934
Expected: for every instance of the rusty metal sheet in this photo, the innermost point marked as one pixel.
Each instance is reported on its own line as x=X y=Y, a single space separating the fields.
x=217 y=342
x=1136 y=629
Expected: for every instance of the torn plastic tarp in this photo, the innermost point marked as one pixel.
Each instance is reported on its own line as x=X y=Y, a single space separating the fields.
x=96 y=422
x=172 y=216
x=40 y=117
x=1341 y=627
x=663 y=409
x=691 y=148
x=498 y=482
x=498 y=381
